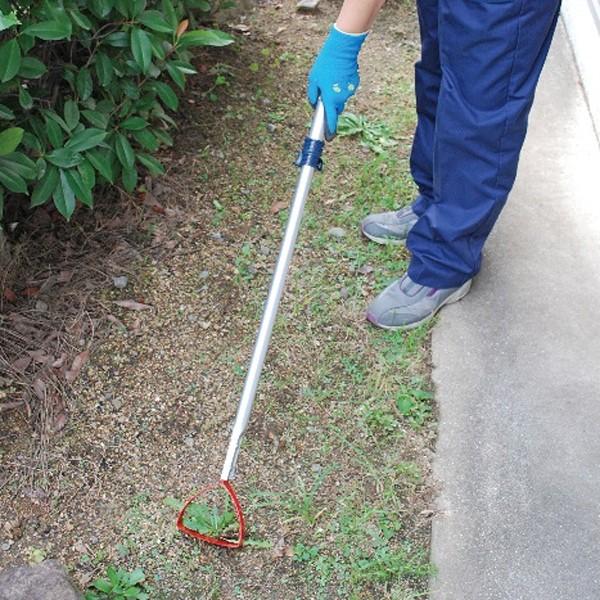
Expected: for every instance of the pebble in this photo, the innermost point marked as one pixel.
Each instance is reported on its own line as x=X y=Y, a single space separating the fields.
x=307 y=4
x=217 y=236
x=120 y=282
x=41 y=306
x=264 y=249
x=117 y=403
x=188 y=441
x=337 y=232
x=344 y=293
x=271 y=127
x=204 y=274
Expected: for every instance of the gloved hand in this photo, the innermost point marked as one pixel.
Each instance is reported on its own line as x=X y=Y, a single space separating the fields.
x=334 y=75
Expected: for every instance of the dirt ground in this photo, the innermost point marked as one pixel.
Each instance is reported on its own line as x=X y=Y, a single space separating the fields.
x=335 y=470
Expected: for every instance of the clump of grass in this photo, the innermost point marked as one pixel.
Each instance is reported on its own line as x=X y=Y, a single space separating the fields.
x=374 y=135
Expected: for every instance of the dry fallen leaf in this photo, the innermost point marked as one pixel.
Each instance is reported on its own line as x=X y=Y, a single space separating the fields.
x=281 y=549
x=9 y=295
x=39 y=387
x=132 y=305
x=64 y=276
x=21 y=363
x=77 y=365
x=30 y=292
x=278 y=207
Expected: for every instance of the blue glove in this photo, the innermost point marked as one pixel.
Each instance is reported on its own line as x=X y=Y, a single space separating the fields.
x=334 y=75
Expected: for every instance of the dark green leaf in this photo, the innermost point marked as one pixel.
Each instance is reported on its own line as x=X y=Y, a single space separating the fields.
x=97 y=119
x=86 y=140
x=167 y=95
x=25 y=99
x=163 y=136
x=88 y=174
x=71 y=114
x=102 y=162
x=155 y=21
x=10 y=60
x=50 y=30
x=10 y=139
x=21 y=165
x=50 y=114
x=146 y=139
x=153 y=165
x=64 y=197
x=81 y=191
x=6 y=113
x=130 y=178
x=84 y=84
x=205 y=37
x=31 y=68
x=134 y=124
x=124 y=151
x=104 y=69
x=1 y=204
x=176 y=75
x=141 y=48
x=64 y=158
x=168 y=10
x=13 y=182
x=80 y=19
x=101 y=8
x=118 y=39
x=54 y=133
x=43 y=190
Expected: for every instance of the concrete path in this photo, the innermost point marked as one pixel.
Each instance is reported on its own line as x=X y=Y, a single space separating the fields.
x=517 y=370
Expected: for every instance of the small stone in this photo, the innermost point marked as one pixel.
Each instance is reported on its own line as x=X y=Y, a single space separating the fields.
x=264 y=249
x=205 y=324
x=265 y=101
x=192 y=318
x=217 y=236
x=316 y=468
x=41 y=306
x=117 y=403
x=120 y=282
x=271 y=127
x=188 y=441
x=204 y=274
x=307 y=4
x=337 y=232
x=344 y=293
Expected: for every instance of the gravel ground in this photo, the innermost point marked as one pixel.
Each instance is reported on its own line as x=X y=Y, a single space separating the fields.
x=335 y=470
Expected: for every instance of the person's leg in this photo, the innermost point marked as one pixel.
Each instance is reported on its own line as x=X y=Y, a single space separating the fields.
x=492 y=53
x=428 y=76
x=392 y=227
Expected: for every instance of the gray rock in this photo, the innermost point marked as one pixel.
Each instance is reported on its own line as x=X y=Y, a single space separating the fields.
x=116 y=402
x=337 y=232
x=204 y=274
x=45 y=581
x=120 y=282
x=271 y=127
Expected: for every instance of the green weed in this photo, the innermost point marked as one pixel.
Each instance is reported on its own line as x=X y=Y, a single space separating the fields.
x=118 y=585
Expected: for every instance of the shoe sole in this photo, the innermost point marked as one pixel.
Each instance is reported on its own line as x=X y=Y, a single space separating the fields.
x=458 y=295
x=383 y=241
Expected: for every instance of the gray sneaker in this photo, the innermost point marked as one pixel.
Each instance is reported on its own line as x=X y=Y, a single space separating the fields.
x=406 y=304
x=389 y=227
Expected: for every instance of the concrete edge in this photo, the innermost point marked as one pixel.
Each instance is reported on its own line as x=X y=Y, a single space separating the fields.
x=582 y=22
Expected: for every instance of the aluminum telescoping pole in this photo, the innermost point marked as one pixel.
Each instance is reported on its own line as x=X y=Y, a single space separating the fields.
x=317 y=133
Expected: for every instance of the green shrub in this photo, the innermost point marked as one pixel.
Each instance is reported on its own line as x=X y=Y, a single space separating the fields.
x=86 y=87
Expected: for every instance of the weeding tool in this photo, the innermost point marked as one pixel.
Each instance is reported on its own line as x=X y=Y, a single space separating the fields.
x=309 y=160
